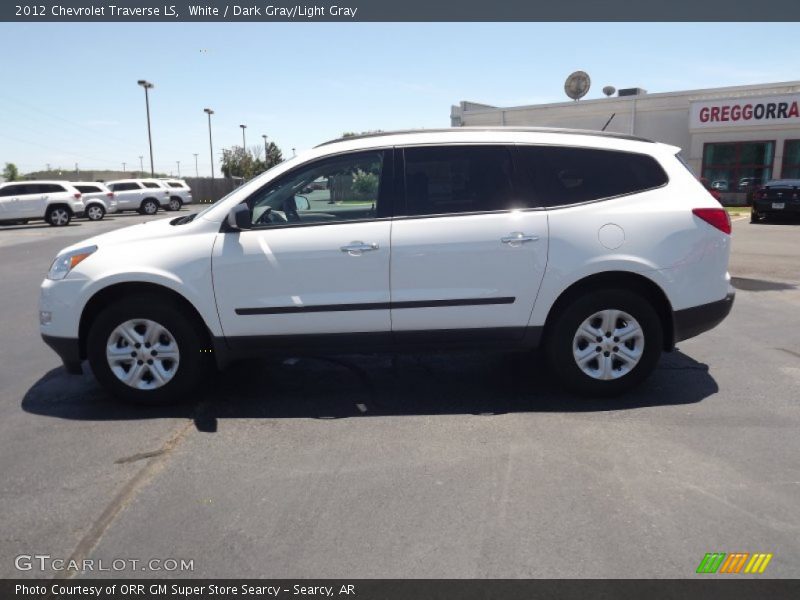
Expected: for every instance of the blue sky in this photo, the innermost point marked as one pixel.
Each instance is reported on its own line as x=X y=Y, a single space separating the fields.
x=69 y=91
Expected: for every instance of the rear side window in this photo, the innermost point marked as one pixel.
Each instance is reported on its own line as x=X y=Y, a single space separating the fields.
x=150 y=184
x=457 y=179
x=175 y=185
x=87 y=189
x=561 y=176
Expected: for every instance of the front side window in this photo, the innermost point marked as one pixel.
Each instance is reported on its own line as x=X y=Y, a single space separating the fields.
x=561 y=175
x=738 y=167
x=457 y=179
x=343 y=188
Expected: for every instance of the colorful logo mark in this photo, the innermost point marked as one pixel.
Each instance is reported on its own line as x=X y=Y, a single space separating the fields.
x=720 y=562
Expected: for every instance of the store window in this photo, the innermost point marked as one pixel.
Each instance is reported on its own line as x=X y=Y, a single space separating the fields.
x=791 y=160
x=738 y=166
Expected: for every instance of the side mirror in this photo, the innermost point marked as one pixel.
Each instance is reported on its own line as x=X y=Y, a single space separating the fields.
x=302 y=203
x=240 y=218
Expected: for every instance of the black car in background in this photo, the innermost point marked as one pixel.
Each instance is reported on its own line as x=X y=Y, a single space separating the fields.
x=776 y=197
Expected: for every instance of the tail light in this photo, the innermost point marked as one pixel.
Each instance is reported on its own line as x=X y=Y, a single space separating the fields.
x=110 y=194
x=716 y=217
x=77 y=195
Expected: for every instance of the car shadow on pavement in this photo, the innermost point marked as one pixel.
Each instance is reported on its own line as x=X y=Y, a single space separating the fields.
x=372 y=385
x=40 y=225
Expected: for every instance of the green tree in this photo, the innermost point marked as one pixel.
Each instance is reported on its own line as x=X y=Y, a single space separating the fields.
x=274 y=155
x=11 y=173
x=240 y=162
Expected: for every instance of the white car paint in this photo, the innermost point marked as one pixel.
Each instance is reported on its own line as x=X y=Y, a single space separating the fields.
x=16 y=202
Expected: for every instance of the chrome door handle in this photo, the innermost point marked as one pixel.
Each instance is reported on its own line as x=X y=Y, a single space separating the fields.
x=357 y=248
x=518 y=238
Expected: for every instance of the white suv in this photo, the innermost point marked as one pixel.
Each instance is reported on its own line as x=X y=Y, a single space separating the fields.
x=145 y=196
x=602 y=248
x=179 y=193
x=97 y=199
x=57 y=202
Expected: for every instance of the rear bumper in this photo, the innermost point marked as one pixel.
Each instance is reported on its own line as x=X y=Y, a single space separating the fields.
x=790 y=207
x=690 y=322
x=68 y=349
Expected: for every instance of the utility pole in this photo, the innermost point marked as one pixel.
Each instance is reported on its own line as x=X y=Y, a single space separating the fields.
x=266 y=152
x=48 y=167
x=210 y=112
x=179 y=168
x=123 y=167
x=77 y=171
x=141 y=164
x=148 y=86
x=196 y=172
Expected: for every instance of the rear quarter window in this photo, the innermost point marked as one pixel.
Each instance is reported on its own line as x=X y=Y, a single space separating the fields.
x=562 y=176
x=150 y=184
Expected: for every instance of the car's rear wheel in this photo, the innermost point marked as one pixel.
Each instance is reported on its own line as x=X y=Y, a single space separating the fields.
x=175 y=203
x=149 y=206
x=95 y=212
x=146 y=350
x=605 y=343
x=58 y=216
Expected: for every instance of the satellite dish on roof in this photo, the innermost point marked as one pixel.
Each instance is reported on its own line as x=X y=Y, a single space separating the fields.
x=609 y=90
x=577 y=85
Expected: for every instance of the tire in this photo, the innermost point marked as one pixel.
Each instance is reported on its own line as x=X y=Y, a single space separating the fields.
x=149 y=206
x=175 y=203
x=147 y=319
x=95 y=212
x=567 y=342
x=58 y=216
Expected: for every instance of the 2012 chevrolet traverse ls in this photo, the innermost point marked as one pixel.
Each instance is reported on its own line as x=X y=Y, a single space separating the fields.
x=603 y=248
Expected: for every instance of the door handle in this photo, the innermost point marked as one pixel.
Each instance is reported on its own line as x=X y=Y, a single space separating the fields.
x=518 y=238
x=357 y=248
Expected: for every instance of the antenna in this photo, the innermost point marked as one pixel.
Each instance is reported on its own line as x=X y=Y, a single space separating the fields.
x=577 y=85
x=609 y=90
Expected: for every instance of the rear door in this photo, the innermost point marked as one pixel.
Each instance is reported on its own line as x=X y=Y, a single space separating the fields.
x=128 y=194
x=470 y=251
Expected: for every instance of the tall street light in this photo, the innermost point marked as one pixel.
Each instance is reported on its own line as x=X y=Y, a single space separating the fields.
x=141 y=164
x=244 y=146
x=210 y=112
x=196 y=171
x=266 y=151
x=148 y=86
x=179 y=168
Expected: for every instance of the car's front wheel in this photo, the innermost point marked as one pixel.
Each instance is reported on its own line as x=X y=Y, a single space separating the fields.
x=144 y=349
x=604 y=343
x=95 y=212
x=58 y=216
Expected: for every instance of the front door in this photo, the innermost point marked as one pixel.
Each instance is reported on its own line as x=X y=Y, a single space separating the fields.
x=316 y=261
x=469 y=255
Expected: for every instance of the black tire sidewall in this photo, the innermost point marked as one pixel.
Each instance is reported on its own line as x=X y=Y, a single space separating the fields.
x=559 y=341
x=192 y=364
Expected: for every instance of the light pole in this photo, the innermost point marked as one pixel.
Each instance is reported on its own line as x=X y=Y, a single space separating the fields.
x=266 y=151
x=141 y=164
x=147 y=86
x=293 y=153
x=123 y=167
x=244 y=145
x=196 y=172
x=179 y=168
x=210 y=112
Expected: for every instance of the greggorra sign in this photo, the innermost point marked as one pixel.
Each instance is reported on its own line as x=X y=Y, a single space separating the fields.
x=762 y=111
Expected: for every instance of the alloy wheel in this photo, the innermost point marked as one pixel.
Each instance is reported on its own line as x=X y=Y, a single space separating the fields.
x=143 y=354
x=608 y=344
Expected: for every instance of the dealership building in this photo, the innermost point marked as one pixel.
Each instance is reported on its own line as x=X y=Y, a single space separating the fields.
x=733 y=137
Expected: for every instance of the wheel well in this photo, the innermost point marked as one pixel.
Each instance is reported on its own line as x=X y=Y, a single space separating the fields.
x=59 y=205
x=118 y=291
x=150 y=198
x=619 y=280
x=178 y=198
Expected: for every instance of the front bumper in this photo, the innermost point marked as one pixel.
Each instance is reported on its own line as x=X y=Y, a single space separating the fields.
x=689 y=322
x=68 y=349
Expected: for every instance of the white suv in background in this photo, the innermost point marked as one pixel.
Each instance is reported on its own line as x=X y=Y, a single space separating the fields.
x=57 y=202
x=602 y=248
x=97 y=199
x=179 y=193
x=145 y=196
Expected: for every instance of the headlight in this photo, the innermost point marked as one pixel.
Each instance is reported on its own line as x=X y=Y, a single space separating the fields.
x=64 y=263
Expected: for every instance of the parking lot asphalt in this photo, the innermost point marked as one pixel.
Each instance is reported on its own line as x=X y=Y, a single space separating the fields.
x=467 y=465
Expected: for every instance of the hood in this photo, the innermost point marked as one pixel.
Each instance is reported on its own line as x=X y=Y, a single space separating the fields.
x=135 y=233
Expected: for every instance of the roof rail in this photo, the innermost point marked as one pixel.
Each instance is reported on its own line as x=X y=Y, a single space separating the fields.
x=610 y=134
